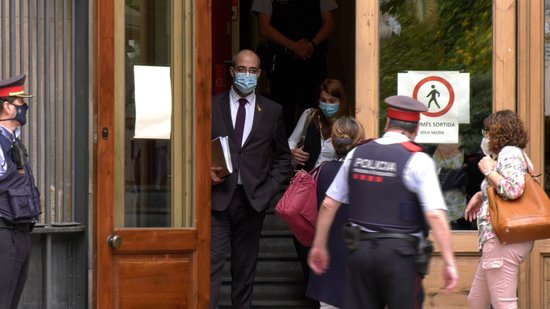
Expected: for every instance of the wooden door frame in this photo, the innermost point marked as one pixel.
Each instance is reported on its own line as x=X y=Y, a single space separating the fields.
x=103 y=63
x=515 y=66
x=530 y=85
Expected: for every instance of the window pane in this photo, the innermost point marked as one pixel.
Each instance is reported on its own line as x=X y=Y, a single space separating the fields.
x=450 y=35
x=147 y=162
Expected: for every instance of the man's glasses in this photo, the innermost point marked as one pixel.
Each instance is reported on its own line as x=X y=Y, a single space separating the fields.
x=243 y=69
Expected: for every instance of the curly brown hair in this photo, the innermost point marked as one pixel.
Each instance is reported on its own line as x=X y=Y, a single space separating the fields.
x=504 y=128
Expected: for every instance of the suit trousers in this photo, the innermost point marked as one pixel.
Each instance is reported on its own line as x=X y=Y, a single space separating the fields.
x=496 y=278
x=382 y=272
x=239 y=226
x=15 y=255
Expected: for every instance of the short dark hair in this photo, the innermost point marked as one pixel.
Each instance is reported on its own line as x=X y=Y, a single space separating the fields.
x=406 y=126
x=9 y=99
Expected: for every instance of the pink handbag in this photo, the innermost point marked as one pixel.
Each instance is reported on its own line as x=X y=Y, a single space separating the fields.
x=298 y=205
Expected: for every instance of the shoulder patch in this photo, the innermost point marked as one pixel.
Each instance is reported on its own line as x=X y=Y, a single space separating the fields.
x=411 y=146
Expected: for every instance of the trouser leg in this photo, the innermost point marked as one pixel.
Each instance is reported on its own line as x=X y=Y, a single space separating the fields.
x=246 y=227
x=219 y=244
x=14 y=264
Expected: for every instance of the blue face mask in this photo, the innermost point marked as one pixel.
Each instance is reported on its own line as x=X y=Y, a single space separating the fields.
x=246 y=83
x=21 y=114
x=329 y=110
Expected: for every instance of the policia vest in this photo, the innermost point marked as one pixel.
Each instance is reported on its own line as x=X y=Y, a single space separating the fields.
x=379 y=200
x=19 y=197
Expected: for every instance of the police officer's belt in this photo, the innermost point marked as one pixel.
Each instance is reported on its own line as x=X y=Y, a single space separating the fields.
x=375 y=235
x=21 y=227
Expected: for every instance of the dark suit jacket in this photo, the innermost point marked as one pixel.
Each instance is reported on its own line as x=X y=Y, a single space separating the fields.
x=264 y=160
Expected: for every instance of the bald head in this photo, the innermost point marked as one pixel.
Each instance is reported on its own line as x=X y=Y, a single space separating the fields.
x=247 y=58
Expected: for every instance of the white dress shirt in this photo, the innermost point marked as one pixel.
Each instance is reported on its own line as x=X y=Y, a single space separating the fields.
x=327 y=149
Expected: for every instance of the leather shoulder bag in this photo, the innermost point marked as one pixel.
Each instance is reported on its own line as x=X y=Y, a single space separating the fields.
x=523 y=219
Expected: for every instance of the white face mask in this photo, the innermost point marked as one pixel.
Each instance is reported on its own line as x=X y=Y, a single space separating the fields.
x=485 y=146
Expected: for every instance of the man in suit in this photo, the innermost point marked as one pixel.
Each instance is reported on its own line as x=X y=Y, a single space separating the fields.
x=261 y=162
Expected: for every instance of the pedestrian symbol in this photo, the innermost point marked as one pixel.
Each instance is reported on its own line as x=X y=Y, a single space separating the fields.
x=433 y=93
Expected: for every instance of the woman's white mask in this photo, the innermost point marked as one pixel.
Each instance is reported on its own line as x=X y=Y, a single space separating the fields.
x=485 y=146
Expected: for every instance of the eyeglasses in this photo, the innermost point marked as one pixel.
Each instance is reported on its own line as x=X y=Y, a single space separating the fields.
x=243 y=69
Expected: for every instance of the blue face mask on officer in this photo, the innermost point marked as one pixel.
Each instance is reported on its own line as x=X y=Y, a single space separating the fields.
x=245 y=82
x=21 y=113
x=329 y=109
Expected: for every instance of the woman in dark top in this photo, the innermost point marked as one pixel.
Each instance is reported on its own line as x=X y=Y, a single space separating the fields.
x=310 y=142
x=329 y=288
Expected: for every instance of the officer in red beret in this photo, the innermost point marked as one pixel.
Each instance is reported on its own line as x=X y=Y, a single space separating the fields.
x=19 y=197
x=394 y=198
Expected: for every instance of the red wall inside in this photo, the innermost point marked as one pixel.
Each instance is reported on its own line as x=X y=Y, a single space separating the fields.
x=221 y=43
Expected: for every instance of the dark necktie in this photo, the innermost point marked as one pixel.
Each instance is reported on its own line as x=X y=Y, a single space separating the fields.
x=239 y=122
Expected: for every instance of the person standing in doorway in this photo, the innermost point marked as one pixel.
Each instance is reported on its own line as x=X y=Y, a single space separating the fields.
x=19 y=197
x=297 y=33
x=261 y=162
x=392 y=190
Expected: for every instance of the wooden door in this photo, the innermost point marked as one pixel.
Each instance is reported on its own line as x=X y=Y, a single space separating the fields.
x=151 y=197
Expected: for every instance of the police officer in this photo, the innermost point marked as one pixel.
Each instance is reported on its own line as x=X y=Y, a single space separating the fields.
x=19 y=197
x=297 y=33
x=393 y=193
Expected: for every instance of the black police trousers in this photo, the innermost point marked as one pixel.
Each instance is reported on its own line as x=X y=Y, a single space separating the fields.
x=383 y=272
x=15 y=251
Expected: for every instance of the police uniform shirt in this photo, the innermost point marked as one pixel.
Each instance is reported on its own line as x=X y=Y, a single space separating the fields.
x=419 y=176
x=11 y=137
x=266 y=6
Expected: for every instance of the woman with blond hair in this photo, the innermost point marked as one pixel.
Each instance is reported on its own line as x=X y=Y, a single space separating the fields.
x=330 y=287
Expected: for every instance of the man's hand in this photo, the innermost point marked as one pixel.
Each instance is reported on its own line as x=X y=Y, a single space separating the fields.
x=318 y=259
x=303 y=49
x=215 y=175
x=450 y=277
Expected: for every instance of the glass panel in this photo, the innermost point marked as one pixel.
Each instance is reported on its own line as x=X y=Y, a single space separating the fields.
x=147 y=170
x=446 y=35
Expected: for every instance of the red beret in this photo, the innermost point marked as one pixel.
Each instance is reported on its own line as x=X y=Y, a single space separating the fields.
x=13 y=87
x=404 y=108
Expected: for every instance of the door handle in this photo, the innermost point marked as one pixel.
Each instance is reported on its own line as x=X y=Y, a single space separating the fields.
x=114 y=241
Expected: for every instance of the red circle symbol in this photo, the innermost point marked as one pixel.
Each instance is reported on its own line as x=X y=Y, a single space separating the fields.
x=446 y=84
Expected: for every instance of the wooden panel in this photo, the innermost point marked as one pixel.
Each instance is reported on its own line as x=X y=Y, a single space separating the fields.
x=203 y=132
x=153 y=281
x=533 y=290
x=103 y=156
x=366 y=66
x=435 y=296
x=504 y=54
x=158 y=240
